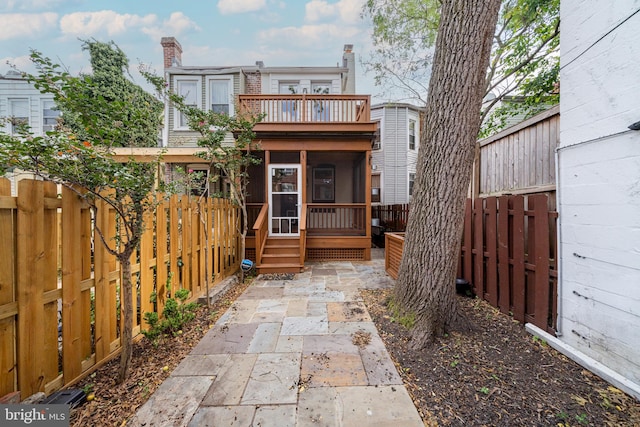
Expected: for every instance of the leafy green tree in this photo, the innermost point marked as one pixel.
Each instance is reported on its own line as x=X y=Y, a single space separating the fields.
x=524 y=57
x=109 y=82
x=85 y=165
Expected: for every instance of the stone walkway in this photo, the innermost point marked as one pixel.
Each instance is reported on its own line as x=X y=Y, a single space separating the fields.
x=290 y=353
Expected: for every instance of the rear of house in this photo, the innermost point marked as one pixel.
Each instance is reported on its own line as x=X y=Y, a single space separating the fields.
x=310 y=196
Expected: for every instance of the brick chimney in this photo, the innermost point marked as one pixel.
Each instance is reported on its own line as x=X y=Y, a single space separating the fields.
x=172 y=52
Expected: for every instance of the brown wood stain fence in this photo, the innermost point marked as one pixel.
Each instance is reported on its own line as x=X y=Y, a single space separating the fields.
x=509 y=255
x=50 y=277
x=392 y=217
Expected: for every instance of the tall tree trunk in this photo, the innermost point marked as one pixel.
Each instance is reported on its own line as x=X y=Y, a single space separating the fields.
x=126 y=315
x=426 y=280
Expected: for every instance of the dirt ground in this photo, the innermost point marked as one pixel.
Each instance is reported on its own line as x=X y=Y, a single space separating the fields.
x=498 y=375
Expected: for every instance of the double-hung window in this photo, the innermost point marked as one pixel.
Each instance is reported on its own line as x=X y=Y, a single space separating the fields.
x=220 y=95
x=412 y=178
x=19 y=113
x=188 y=88
x=412 y=134
x=377 y=142
x=49 y=115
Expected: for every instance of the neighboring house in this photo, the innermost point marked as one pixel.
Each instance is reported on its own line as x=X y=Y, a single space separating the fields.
x=313 y=186
x=394 y=152
x=22 y=103
x=599 y=189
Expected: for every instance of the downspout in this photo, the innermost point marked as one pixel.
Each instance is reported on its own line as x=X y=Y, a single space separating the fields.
x=395 y=161
x=559 y=247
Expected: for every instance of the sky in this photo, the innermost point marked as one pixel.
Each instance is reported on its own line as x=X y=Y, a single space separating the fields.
x=211 y=32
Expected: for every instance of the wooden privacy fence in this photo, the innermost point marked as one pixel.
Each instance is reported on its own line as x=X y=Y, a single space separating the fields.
x=509 y=255
x=392 y=217
x=59 y=287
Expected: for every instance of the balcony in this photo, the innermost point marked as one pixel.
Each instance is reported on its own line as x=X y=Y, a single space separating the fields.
x=310 y=113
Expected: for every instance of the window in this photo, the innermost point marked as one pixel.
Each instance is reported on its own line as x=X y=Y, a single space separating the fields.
x=412 y=178
x=189 y=89
x=19 y=113
x=290 y=108
x=321 y=107
x=377 y=142
x=323 y=184
x=412 y=134
x=49 y=115
x=375 y=188
x=220 y=95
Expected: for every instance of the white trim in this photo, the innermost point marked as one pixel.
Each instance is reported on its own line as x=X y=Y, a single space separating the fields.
x=298 y=168
x=229 y=79
x=609 y=375
x=176 y=84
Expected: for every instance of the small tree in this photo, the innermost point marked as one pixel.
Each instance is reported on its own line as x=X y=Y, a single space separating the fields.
x=88 y=168
x=231 y=159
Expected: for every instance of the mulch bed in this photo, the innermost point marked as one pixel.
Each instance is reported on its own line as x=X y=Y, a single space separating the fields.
x=150 y=365
x=498 y=375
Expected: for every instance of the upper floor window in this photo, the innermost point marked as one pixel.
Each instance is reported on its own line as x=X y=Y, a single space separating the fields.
x=412 y=178
x=49 y=115
x=19 y=113
x=412 y=134
x=220 y=95
x=189 y=89
x=289 y=88
x=377 y=142
x=320 y=88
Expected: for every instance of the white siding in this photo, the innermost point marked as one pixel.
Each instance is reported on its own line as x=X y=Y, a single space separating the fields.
x=395 y=161
x=599 y=185
x=271 y=81
x=16 y=88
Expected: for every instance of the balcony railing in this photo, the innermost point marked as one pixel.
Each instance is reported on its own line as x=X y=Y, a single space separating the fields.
x=308 y=108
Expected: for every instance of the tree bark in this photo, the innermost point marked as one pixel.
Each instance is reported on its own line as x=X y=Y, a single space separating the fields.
x=426 y=280
x=126 y=313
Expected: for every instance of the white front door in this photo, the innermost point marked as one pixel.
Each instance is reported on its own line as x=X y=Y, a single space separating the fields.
x=285 y=183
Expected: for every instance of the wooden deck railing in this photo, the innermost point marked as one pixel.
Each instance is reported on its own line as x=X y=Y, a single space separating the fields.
x=253 y=210
x=336 y=219
x=308 y=108
x=261 y=231
x=303 y=234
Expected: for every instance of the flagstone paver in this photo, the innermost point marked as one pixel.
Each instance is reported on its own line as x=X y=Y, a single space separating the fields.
x=290 y=353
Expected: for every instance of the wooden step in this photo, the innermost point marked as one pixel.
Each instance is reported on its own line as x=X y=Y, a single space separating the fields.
x=281 y=249
x=280 y=258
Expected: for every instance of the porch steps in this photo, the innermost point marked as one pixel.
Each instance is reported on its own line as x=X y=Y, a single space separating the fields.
x=281 y=255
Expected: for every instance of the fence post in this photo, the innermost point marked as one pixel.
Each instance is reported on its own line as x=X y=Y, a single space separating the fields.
x=29 y=291
x=71 y=293
x=541 y=259
x=161 y=253
x=478 y=230
x=504 y=291
x=8 y=371
x=517 y=230
x=491 y=238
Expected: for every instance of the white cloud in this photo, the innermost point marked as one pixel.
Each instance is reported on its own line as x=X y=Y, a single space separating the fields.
x=22 y=63
x=348 y=11
x=227 y=7
x=177 y=24
x=309 y=35
x=105 y=21
x=23 y=25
